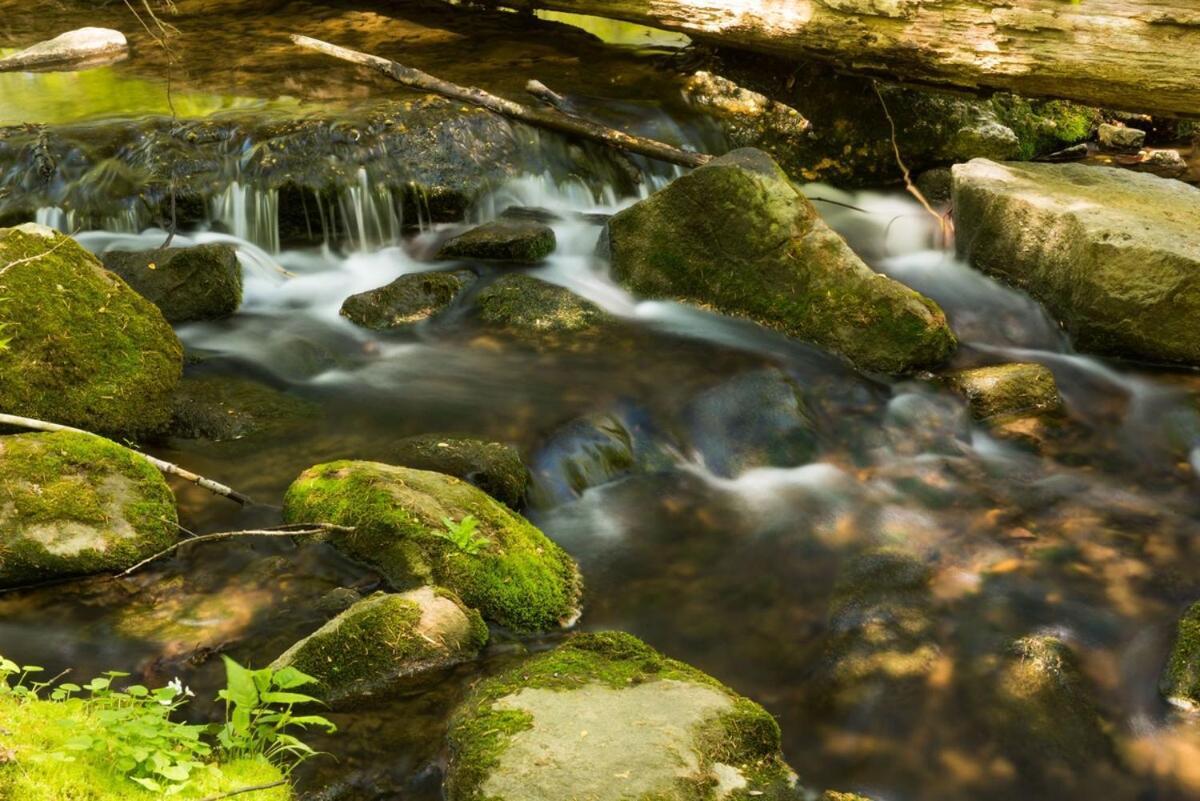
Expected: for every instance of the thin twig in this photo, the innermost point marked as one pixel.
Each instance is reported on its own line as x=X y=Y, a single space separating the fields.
x=35 y=257
x=908 y=183
x=293 y=530
x=253 y=789
x=165 y=466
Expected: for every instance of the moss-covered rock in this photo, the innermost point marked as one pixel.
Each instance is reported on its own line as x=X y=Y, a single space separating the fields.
x=75 y=504
x=539 y=313
x=1111 y=253
x=736 y=235
x=202 y=282
x=1006 y=389
x=406 y=301
x=494 y=467
x=519 y=578
x=1180 y=683
x=385 y=637
x=605 y=717
x=511 y=240
x=79 y=346
x=223 y=408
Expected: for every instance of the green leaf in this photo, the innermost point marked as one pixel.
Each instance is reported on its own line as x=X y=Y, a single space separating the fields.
x=148 y=783
x=289 y=678
x=239 y=684
x=287 y=698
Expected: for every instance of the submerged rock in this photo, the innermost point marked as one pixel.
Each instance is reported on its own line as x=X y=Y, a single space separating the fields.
x=1006 y=389
x=511 y=240
x=74 y=49
x=202 y=282
x=79 y=346
x=1180 y=683
x=223 y=408
x=605 y=717
x=75 y=504
x=537 y=312
x=406 y=301
x=1120 y=138
x=1112 y=253
x=515 y=577
x=385 y=637
x=494 y=467
x=737 y=236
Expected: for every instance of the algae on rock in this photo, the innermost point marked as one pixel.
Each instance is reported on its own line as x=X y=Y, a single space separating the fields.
x=1006 y=389
x=406 y=301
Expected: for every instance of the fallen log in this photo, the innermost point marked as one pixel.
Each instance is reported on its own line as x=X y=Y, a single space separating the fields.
x=549 y=118
x=79 y=49
x=1138 y=55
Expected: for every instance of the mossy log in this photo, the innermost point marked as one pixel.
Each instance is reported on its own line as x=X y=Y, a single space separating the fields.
x=1130 y=54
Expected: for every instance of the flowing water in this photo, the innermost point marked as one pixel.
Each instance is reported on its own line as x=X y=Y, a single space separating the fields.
x=725 y=566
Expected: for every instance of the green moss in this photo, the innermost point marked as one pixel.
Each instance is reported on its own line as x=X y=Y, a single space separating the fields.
x=495 y=468
x=522 y=580
x=1181 y=679
x=530 y=309
x=521 y=241
x=74 y=504
x=1044 y=126
x=34 y=733
x=85 y=349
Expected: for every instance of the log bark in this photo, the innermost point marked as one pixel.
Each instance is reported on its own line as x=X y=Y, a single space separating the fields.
x=1138 y=55
x=549 y=118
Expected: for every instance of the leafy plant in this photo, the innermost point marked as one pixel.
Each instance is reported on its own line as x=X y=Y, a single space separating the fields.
x=462 y=535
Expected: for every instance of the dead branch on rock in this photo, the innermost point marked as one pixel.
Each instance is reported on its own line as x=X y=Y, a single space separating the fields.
x=242 y=790
x=943 y=224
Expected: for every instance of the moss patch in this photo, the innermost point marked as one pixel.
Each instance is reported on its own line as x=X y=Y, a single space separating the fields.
x=1181 y=679
x=406 y=301
x=532 y=310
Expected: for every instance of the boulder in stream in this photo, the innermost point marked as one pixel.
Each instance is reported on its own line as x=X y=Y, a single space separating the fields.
x=84 y=47
x=540 y=313
x=76 y=504
x=494 y=467
x=505 y=240
x=1006 y=390
x=1113 y=254
x=202 y=282
x=512 y=573
x=406 y=301
x=222 y=408
x=736 y=235
x=1180 y=683
x=605 y=717
x=386 y=637
x=77 y=345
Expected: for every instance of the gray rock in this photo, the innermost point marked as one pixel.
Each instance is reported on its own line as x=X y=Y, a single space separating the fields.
x=203 y=282
x=84 y=47
x=507 y=240
x=406 y=301
x=1120 y=138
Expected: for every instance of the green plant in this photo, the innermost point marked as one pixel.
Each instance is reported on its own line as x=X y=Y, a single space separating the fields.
x=258 y=710
x=462 y=535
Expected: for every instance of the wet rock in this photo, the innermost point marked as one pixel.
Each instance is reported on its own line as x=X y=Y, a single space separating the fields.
x=737 y=236
x=80 y=346
x=538 y=312
x=1006 y=390
x=518 y=241
x=85 y=47
x=406 y=301
x=1180 y=683
x=530 y=214
x=605 y=717
x=1120 y=138
x=385 y=637
x=1111 y=253
x=1165 y=163
x=494 y=467
x=515 y=576
x=337 y=600
x=748 y=119
x=936 y=184
x=203 y=282
x=756 y=419
x=221 y=408
x=76 y=504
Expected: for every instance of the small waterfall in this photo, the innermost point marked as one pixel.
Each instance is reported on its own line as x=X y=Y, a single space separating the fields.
x=370 y=214
x=249 y=213
x=55 y=217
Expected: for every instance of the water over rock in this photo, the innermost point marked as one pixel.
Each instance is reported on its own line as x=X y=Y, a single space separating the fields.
x=80 y=347
x=85 y=47
x=517 y=578
x=1180 y=683
x=203 y=282
x=1006 y=389
x=504 y=240
x=494 y=467
x=1113 y=254
x=75 y=504
x=406 y=301
x=605 y=717
x=737 y=236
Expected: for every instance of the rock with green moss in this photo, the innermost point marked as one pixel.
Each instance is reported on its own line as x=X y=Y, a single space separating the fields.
x=202 y=282
x=1006 y=390
x=78 y=345
x=385 y=637
x=494 y=467
x=509 y=240
x=221 y=408
x=737 y=236
x=605 y=717
x=1180 y=683
x=406 y=301
x=1111 y=253
x=516 y=577
x=75 y=504
x=540 y=313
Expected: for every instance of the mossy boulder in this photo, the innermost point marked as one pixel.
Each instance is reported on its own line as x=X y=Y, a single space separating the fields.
x=202 y=282
x=80 y=347
x=518 y=579
x=406 y=301
x=540 y=313
x=222 y=408
x=385 y=637
x=75 y=504
x=494 y=467
x=1111 y=253
x=1180 y=683
x=605 y=717
x=737 y=236
x=511 y=240
x=1006 y=390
